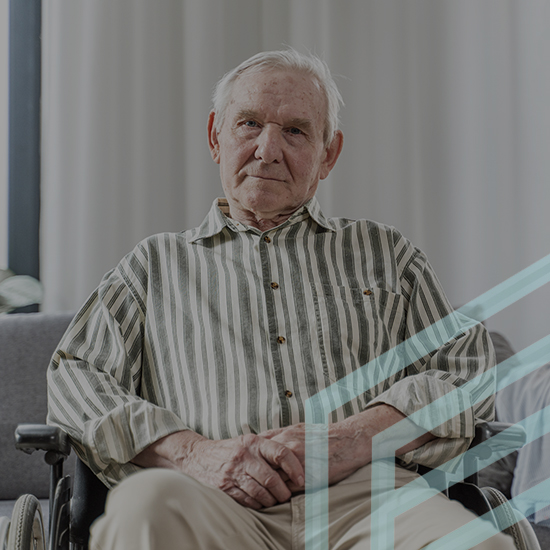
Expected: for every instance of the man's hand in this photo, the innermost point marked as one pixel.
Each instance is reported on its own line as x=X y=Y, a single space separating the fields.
x=349 y=441
x=248 y=468
x=347 y=450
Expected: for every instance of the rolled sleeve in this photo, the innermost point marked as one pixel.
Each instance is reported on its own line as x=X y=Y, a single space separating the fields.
x=449 y=385
x=96 y=383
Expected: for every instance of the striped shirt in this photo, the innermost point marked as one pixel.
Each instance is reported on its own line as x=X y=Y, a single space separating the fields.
x=227 y=330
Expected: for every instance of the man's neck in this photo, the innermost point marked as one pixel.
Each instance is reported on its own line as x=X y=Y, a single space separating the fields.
x=258 y=221
x=265 y=224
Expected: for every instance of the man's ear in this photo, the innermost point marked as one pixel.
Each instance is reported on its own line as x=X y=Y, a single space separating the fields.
x=213 y=142
x=332 y=152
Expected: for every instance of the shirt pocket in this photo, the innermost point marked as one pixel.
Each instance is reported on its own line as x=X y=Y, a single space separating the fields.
x=355 y=326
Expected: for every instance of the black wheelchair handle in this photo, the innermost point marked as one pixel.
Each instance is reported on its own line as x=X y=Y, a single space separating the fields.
x=515 y=436
x=40 y=437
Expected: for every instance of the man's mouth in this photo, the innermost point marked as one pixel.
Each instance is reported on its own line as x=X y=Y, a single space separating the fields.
x=268 y=178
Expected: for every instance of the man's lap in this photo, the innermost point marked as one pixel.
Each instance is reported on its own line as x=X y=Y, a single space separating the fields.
x=204 y=517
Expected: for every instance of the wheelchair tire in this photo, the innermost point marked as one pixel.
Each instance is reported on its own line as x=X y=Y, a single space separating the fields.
x=27 y=527
x=521 y=531
x=4 y=530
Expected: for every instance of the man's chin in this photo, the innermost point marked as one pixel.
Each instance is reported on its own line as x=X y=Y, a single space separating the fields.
x=262 y=199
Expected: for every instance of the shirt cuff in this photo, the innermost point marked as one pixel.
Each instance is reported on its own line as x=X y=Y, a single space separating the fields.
x=128 y=429
x=436 y=452
x=429 y=402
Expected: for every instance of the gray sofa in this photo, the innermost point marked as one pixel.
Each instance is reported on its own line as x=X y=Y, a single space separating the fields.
x=27 y=342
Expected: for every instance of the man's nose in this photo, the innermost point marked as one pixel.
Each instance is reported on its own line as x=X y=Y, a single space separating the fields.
x=270 y=146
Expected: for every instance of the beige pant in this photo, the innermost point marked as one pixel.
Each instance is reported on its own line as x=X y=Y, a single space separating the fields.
x=165 y=510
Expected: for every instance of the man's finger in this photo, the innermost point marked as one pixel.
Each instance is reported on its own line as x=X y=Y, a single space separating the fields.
x=243 y=498
x=279 y=456
x=292 y=486
x=268 y=434
x=267 y=478
x=284 y=475
x=259 y=493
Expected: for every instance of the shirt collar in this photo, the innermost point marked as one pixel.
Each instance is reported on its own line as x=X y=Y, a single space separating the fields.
x=218 y=218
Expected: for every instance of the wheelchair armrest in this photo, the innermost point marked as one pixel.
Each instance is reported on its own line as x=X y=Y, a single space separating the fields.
x=40 y=437
x=515 y=436
x=514 y=439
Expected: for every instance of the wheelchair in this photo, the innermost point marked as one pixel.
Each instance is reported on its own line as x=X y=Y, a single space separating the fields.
x=73 y=508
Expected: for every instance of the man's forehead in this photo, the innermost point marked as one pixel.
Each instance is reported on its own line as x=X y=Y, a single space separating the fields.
x=263 y=79
x=296 y=94
x=277 y=73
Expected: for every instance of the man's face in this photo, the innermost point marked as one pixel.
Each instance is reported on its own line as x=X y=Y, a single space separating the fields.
x=270 y=147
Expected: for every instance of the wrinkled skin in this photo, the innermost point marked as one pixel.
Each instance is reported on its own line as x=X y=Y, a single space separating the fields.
x=270 y=147
x=262 y=470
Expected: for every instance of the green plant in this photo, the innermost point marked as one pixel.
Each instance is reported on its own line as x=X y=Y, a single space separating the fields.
x=18 y=291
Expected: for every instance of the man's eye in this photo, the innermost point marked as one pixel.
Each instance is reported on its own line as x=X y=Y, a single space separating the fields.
x=251 y=123
x=295 y=131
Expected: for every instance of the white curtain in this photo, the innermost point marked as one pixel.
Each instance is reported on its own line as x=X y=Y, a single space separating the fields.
x=446 y=124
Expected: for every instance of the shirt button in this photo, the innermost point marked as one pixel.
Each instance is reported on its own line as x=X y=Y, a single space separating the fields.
x=267 y=239
x=274 y=286
x=281 y=340
x=288 y=393
x=367 y=292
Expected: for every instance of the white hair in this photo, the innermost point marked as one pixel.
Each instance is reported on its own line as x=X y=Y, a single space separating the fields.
x=290 y=60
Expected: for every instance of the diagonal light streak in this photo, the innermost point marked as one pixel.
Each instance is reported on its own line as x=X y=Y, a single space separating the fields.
x=318 y=407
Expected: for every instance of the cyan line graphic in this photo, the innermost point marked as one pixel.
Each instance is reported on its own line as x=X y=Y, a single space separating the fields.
x=403 y=499
x=536 y=425
x=373 y=373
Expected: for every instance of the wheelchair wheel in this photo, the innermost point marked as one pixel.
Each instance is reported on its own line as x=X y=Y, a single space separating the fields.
x=27 y=528
x=521 y=531
x=4 y=530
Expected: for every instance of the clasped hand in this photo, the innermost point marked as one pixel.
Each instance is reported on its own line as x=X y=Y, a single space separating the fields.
x=262 y=470
x=251 y=469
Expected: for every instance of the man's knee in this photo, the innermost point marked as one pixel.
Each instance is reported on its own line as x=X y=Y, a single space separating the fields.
x=149 y=492
x=147 y=511
x=151 y=497
x=161 y=509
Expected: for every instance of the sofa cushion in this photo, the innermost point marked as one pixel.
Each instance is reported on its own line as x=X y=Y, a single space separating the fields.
x=27 y=342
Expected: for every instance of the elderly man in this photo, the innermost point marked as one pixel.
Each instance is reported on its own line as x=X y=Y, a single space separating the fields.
x=182 y=381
